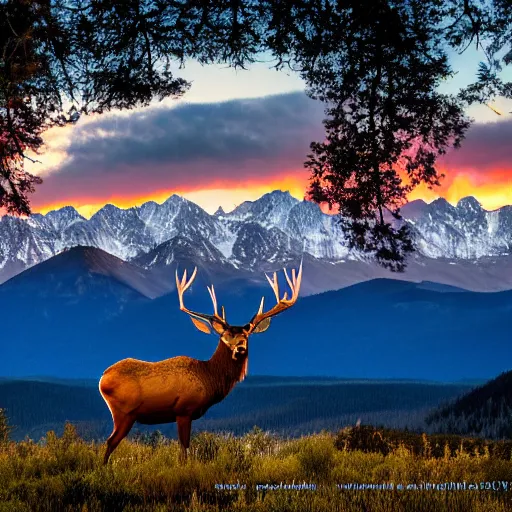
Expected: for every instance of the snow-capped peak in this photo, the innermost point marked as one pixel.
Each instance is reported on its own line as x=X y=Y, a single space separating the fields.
x=272 y=230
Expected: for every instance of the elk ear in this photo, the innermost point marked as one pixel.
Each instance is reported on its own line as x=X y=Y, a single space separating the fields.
x=201 y=326
x=262 y=326
x=218 y=327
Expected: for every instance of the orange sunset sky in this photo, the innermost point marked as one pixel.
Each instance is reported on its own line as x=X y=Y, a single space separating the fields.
x=235 y=136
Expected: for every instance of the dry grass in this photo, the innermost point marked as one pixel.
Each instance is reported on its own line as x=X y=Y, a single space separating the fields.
x=66 y=474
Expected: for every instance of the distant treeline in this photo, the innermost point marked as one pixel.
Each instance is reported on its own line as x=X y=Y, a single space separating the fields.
x=34 y=407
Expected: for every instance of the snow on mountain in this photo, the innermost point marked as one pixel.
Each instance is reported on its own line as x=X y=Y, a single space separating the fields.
x=63 y=218
x=116 y=231
x=256 y=246
x=321 y=234
x=263 y=234
x=181 y=249
x=271 y=209
x=464 y=231
x=178 y=216
x=160 y=219
x=25 y=242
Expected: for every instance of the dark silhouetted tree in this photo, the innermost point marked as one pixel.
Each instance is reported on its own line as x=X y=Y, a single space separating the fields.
x=488 y=25
x=387 y=121
x=60 y=59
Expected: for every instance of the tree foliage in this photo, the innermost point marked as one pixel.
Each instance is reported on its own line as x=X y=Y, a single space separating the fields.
x=387 y=121
x=376 y=65
x=61 y=59
x=488 y=25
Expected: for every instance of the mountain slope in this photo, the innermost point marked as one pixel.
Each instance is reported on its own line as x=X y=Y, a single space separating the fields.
x=78 y=269
x=377 y=329
x=484 y=411
x=259 y=235
x=464 y=231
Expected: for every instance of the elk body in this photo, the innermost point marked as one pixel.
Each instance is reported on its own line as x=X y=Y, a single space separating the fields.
x=182 y=389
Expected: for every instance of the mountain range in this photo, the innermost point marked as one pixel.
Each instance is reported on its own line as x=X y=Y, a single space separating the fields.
x=79 y=312
x=77 y=295
x=463 y=245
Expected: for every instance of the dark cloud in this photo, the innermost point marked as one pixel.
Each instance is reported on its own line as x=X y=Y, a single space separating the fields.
x=224 y=144
x=186 y=147
x=219 y=133
x=487 y=146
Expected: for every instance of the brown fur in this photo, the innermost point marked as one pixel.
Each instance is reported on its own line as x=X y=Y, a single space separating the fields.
x=179 y=389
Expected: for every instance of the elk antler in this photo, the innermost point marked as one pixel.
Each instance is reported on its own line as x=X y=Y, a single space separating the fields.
x=184 y=285
x=283 y=303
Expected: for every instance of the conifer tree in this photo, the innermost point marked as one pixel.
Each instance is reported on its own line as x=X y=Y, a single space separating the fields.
x=387 y=121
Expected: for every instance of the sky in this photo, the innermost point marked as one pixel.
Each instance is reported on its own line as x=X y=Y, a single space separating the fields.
x=235 y=136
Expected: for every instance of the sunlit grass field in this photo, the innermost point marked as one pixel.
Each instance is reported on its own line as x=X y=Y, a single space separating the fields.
x=66 y=473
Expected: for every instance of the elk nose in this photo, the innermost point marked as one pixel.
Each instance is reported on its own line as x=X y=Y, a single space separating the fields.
x=241 y=350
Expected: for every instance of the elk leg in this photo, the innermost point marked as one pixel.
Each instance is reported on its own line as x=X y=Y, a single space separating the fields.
x=184 y=427
x=122 y=425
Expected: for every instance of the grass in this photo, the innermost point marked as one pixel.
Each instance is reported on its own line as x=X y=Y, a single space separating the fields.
x=66 y=474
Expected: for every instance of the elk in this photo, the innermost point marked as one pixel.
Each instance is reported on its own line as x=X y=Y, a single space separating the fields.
x=182 y=389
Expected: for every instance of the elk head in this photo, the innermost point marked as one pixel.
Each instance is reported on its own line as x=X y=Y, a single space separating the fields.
x=235 y=337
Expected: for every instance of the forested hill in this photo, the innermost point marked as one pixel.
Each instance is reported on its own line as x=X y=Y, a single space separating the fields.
x=485 y=411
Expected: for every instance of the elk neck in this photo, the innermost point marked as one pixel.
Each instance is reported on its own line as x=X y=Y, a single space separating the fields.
x=224 y=370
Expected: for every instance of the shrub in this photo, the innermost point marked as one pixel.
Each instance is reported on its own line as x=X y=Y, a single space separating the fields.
x=5 y=428
x=316 y=457
x=384 y=441
x=205 y=446
x=153 y=439
x=260 y=443
x=233 y=455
